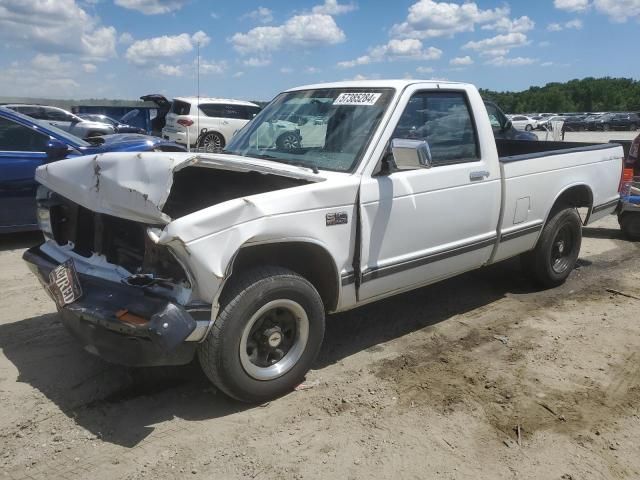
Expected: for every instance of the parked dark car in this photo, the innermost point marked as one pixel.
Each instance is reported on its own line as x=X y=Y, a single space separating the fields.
x=575 y=123
x=616 y=121
x=118 y=126
x=25 y=144
x=502 y=127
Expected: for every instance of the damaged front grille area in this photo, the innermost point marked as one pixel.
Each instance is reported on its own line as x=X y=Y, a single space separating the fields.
x=121 y=242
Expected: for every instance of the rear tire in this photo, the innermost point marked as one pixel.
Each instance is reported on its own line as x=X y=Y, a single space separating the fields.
x=266 y=337
x=606 y=127
x=528 y=128
x=630 y=225
x=633 y=127
x=555 y=255
x=211 y=142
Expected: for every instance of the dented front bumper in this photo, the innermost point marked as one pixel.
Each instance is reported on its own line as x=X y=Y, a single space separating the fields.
x=121 y=323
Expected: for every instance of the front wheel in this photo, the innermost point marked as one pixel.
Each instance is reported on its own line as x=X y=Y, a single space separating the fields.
x=557 y=250
x=606 y=127
x=266 y=337
x=528 y=128
x=633 y=127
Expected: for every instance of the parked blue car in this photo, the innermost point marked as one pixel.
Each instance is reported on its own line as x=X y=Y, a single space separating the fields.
x=25 y=144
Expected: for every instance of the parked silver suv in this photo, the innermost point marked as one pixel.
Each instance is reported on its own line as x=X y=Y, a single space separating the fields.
x=64 y=120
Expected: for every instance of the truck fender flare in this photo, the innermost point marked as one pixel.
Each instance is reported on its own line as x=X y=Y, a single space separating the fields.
x=567 y=192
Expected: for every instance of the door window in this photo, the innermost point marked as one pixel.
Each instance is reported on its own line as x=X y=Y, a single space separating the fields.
x=443 y=119
x=18 y=138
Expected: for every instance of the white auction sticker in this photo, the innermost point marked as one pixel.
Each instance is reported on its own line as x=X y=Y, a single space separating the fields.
x=360 y=98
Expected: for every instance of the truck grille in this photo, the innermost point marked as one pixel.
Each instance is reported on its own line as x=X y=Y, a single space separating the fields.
x=122 y=242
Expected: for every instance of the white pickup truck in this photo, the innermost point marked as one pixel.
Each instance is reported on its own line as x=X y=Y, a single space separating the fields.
x=154 y=258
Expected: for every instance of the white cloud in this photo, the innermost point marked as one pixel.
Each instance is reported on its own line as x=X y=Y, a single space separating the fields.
x=544 y=44
x=522 y=24
x=499 y=45
x=143 y=51
x=301 y=30
x=125 y=38
x=572 y=5
x=575 y=24
x=89 y=68
x=428 y=18
x=60 y=26
x=461 y=61
x=332 y=7
x=546 y=64
x=209 y=67
x=152 y=7
x=510 y=62
x=42 y=76
x=200 y=38
x=238 y=74
x=286 y=70
x=257 y=62
x=215 y=15
x=619 y=11
x=170 y=70
x=311 y=70
x=260 y=15
x=396 y=49
x=422 y=69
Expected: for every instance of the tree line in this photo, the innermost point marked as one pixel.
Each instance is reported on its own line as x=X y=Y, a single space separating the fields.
x=586 y=95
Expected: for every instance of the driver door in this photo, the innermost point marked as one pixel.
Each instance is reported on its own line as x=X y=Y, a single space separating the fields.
x=423 y=225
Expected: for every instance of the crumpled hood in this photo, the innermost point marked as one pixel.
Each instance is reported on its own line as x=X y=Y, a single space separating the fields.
x=136 y=186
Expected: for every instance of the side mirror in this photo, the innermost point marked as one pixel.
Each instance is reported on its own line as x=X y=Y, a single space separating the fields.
x=411 y=154
x=507 y=126
x=56 y=150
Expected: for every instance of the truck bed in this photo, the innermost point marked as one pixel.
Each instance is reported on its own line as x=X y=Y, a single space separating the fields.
x=534 y=174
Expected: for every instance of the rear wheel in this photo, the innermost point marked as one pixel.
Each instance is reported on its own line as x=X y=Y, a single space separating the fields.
x=266 y=337
x=633 y=127
x=606 y=127
x=557 y=250
x=288 y=141
x=630 y=225
x=528 y=128
x=211 y=142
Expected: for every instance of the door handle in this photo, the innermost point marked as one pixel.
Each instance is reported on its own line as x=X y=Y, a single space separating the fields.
x=477 y=176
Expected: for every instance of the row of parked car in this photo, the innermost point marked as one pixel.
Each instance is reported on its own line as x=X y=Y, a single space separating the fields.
x=579 y=122
x=32 y=135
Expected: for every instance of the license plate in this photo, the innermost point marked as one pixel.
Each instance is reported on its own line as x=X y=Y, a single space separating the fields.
x=64 y=286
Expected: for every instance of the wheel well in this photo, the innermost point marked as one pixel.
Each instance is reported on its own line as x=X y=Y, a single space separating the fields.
x=311 y=261
x=576 y=196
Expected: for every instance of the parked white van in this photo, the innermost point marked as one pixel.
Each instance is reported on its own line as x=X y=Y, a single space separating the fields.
x=207 y=123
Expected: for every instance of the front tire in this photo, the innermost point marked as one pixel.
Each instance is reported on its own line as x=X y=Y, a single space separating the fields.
x=555 y=255
x=266 y=337
x=528 y=128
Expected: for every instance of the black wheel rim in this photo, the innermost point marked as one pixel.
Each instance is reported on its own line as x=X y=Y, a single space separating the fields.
x=274 y=339
x=562 y=250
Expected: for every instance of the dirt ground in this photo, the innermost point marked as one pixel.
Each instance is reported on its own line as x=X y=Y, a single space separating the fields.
x=481 y=377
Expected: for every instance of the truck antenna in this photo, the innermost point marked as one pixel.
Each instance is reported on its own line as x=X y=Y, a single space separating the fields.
x=198 y=94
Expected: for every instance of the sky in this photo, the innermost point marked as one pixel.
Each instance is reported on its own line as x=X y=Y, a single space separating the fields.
x=254 y=49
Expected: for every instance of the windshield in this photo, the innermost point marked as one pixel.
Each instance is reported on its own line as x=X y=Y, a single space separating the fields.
x=327 y=129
